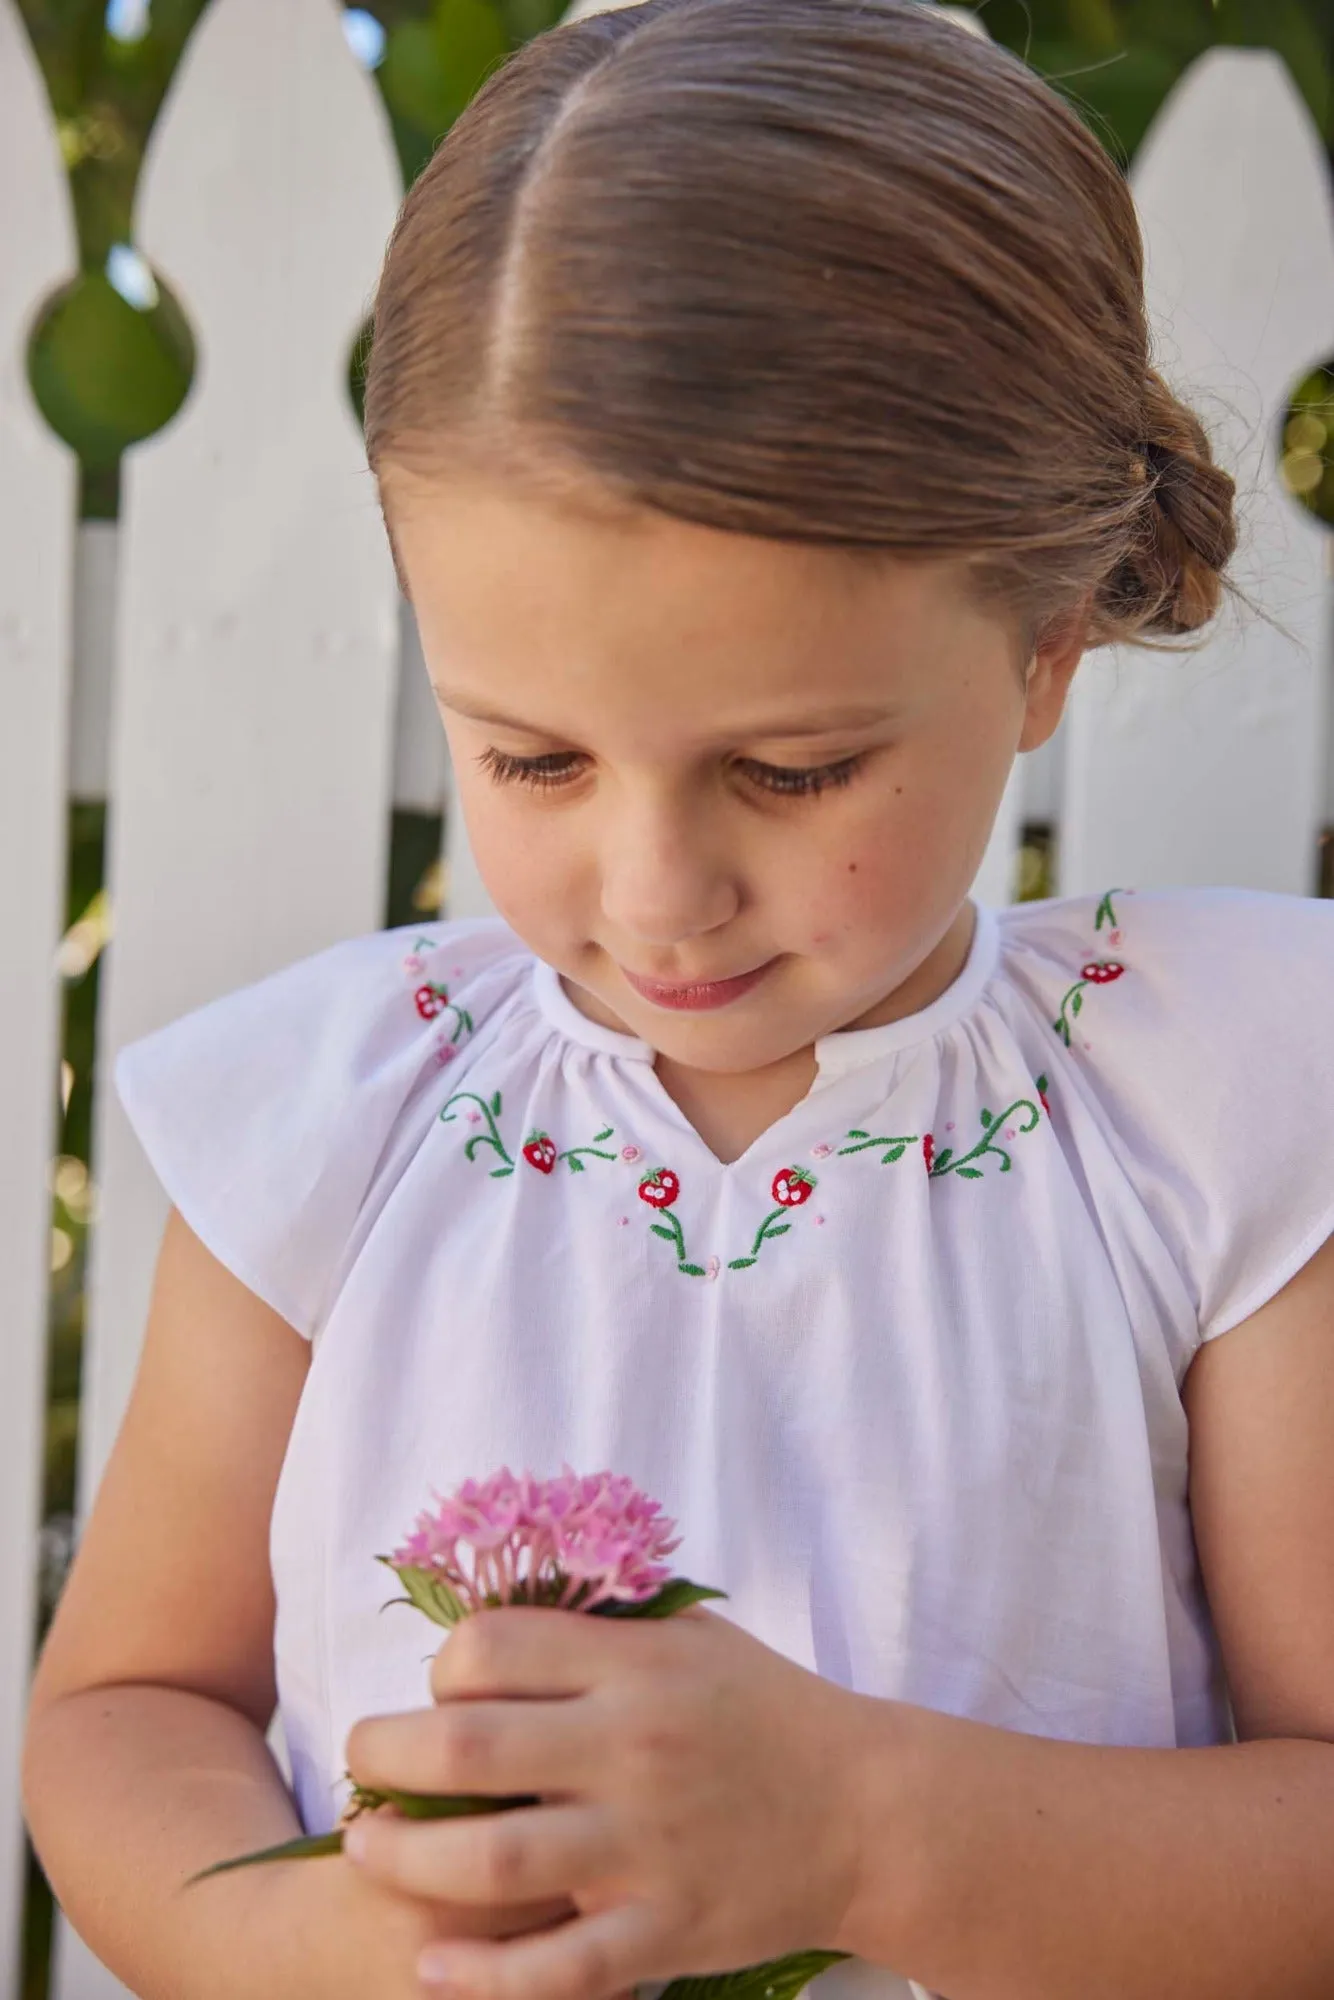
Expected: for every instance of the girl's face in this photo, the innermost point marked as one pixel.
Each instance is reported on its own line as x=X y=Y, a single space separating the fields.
x=734 y=790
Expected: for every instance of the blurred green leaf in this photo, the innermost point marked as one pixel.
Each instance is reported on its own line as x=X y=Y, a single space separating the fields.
x=102 y=372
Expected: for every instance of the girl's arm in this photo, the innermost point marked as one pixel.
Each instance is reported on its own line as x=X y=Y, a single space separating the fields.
x=1005 y=1867
x=145 y=1756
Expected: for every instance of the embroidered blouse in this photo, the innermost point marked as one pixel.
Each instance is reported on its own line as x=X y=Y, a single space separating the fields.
x=907 y=1372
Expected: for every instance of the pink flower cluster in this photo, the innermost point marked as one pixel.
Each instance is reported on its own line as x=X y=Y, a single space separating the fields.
x=574 y=1542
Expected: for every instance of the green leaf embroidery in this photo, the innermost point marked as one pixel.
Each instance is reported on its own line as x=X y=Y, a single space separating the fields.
x=692 y=1270
x=741 y=1263
x=495 y=1104
x=659 y=1229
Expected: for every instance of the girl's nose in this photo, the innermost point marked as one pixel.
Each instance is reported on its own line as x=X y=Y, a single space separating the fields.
x=664 y=879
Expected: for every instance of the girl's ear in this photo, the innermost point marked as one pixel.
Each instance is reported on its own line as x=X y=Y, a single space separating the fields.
x=1050 y=672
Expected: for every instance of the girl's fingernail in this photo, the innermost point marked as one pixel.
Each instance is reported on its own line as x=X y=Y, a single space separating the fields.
x=433 y=1966
x=354 y=1843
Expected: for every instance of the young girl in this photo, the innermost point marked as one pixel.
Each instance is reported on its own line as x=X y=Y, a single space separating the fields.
x=764 y=424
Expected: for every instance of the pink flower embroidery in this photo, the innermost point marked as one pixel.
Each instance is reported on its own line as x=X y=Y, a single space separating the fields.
x=632 y=1153
x=821 y=1152
x=572 y=1542
x=413 y=964
x=712 y=1266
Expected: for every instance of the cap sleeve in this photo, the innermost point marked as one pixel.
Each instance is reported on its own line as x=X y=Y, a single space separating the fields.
x=264 y=1114
x=1211 y=1044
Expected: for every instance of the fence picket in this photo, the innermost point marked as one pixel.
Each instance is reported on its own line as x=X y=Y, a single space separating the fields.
x=37 y=509
x=257 y=643
x=1209 y=769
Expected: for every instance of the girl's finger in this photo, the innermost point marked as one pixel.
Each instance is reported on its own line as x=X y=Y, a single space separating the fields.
x=529 y=1650
x=590 y=1958
x=496 y=1748
x=525 y=1856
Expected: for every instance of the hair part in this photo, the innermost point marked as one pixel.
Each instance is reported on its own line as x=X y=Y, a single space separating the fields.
x=841 y=274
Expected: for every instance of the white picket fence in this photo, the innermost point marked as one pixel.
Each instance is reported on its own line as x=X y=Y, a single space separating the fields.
x=231 y=669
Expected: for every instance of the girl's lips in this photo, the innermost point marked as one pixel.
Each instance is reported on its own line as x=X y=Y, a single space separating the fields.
x=697 y=995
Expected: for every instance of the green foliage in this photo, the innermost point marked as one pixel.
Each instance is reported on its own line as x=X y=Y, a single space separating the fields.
x=107 y=375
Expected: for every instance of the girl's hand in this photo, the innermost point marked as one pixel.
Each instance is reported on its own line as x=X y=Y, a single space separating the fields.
x=357 y=1938
x=697 y=1799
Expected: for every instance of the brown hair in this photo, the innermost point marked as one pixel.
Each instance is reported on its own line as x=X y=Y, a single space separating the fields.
x=830 y=271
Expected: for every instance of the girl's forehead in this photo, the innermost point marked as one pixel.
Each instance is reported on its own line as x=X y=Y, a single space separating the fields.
x=509 y=588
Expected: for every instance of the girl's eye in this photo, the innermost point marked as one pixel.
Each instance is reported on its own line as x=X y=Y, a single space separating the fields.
x=557 y=768
x=791 y=781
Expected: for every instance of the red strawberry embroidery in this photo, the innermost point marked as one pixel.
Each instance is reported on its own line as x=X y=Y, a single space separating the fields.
x=660 y=1188
x=929 y=1151
x=792 y=1186
x=1102 y=972
x=540 y=1152
x=430 y=1001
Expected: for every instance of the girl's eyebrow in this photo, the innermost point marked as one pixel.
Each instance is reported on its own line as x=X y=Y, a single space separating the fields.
x=827 y=722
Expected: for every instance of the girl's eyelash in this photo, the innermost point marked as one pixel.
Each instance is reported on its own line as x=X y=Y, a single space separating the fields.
x=793 y=781
x=559 y=766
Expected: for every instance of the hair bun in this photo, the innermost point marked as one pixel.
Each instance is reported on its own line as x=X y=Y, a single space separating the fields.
x=1171 y=579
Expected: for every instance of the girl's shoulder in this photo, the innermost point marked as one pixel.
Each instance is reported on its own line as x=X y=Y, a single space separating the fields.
x=1189 y=1034
x=266 y=1113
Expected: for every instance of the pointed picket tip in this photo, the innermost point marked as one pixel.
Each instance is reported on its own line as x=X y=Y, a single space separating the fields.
x=1232 y=185
x=267 y=195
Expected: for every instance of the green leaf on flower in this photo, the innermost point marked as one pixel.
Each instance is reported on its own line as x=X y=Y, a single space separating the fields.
x=303 y=1849
x=776 y=1979
x=973 y=1173
x=495 y=1104
x=603 y=1135
x=501 y=1173
x=428 y=1591
x=779 y=1229
x=1076 y=1003
x=675 y=1595
x=451 y=1805
x=987 y=1118
x=576 y=1166
x=741 y=1263
x=943 y=1159
x=692 y=1270
x=661 y=1229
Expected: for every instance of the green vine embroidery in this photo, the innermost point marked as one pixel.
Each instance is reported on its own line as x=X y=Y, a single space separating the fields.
x=1107 y=911
x=1099 y=972
x=792 y=1188
x=490 y=1110
x=863 y=1141
x=659 y=1190
x=574 y=1156
x=947 y=1162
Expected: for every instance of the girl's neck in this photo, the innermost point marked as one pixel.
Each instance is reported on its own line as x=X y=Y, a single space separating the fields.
x=731 y=1111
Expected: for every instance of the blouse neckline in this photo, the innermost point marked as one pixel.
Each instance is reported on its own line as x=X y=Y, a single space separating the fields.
x=836 y=1054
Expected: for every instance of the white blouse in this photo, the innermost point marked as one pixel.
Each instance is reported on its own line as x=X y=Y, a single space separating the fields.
x=906 y=1373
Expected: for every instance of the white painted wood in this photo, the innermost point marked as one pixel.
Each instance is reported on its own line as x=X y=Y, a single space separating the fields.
x=257 y=641
x=37 y=508
x=1209 y=770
